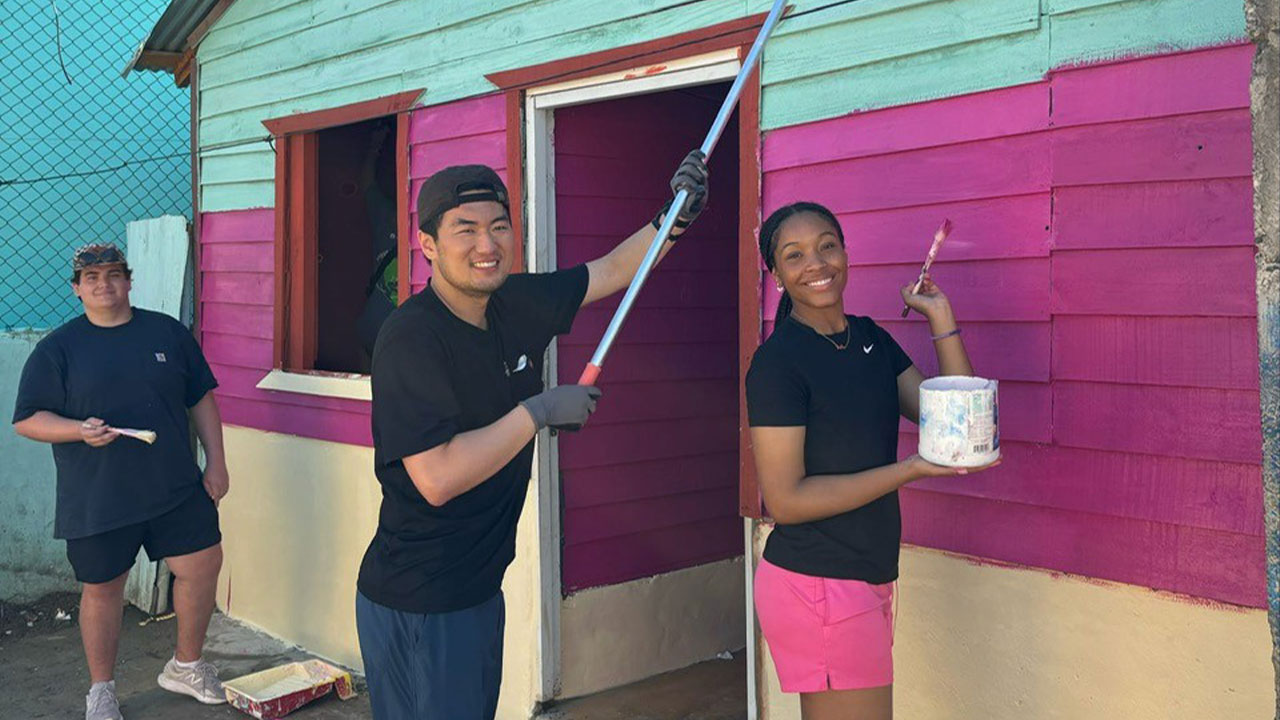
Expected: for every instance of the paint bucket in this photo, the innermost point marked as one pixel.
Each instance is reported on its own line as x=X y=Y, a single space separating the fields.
x=959 y=421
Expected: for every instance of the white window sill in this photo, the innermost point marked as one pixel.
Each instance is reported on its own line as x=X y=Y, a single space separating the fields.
x=351 y=386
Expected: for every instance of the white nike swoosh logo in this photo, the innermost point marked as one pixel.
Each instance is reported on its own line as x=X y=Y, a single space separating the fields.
x=867 y=349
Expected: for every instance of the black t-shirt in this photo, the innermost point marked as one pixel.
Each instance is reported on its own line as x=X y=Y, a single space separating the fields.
x=847 y=400
x=144 y=375
x=435 y=376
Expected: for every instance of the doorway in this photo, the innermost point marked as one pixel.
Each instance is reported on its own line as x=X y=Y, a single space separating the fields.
x=644 y=555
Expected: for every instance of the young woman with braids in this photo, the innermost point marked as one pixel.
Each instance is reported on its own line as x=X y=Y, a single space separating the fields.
x=823 y=395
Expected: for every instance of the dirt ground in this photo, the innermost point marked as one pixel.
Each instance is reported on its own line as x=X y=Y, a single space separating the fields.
x=43 y=674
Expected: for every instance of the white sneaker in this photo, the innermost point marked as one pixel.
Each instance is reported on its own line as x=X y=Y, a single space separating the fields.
x=200 y=682
x=101 y=702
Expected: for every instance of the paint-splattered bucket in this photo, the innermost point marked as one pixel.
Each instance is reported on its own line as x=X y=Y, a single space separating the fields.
x=959 y=421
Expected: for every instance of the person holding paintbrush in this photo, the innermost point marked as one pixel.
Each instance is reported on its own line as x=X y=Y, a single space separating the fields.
x=120 y=490
x=824 y=394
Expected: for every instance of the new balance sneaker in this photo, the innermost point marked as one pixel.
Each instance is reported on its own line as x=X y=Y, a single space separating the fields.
x=101 y=702
x=200 y=681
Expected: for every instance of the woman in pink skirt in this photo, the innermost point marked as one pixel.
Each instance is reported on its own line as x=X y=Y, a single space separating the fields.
x=824 y=394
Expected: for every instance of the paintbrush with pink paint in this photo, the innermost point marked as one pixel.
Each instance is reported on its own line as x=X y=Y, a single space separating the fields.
x=938 y=237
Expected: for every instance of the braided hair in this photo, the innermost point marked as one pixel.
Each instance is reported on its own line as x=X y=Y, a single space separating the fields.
x=769 y=240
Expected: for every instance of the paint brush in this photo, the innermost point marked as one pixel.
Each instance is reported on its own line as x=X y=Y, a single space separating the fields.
x=938 y=237
x=146 y=436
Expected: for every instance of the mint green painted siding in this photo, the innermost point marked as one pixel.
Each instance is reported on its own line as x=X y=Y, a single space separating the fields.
x=267 y=58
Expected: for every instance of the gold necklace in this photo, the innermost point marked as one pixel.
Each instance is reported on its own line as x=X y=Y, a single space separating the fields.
x=848 y=335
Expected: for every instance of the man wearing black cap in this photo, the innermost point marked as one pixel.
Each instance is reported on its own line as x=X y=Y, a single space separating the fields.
x=457 y=401
x=113 y=369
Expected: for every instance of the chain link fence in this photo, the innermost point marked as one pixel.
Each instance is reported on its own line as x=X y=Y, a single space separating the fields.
x=82 y=150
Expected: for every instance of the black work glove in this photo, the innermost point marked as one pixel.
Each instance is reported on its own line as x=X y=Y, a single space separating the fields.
x=566 y=407
x=692 y=176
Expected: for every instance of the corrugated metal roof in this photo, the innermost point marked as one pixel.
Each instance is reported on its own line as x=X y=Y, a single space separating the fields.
x=170 y=33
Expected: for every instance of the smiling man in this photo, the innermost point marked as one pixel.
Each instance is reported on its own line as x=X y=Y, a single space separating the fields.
x=457 y=400
x=120 y=367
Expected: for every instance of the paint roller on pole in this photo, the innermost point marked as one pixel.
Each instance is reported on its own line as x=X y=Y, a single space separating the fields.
x=592 y=371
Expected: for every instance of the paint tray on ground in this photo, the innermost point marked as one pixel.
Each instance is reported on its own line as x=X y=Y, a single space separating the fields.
x=279 y=691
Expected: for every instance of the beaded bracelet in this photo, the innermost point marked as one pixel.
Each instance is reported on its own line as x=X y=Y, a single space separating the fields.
x=946 y=335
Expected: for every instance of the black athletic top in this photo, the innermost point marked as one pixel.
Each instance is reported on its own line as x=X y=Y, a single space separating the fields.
x=435 y=376
x=847 y=400
x=144 y=375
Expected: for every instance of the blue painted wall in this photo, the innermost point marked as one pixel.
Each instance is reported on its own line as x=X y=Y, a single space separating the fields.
x=95 y=124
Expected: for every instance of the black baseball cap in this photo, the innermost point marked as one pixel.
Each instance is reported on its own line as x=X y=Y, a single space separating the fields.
x=455 y=185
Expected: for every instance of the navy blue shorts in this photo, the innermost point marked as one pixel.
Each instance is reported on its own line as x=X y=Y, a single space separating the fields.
x=442 y=666
x=190 y=527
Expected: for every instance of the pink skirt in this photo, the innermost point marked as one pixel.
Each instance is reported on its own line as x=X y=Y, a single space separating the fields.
x=825 y=634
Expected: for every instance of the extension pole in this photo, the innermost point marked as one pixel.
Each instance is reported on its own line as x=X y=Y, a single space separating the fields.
x=592 y=371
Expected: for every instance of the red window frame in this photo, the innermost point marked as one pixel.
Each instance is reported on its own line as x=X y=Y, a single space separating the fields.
x=297 y=217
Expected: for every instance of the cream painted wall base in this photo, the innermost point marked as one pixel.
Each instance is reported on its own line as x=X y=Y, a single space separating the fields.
x=295 y=526
x=619 y=634
x=993 y=642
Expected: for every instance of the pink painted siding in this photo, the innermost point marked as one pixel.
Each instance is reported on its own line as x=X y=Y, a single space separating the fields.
x=237 y=264
x=650 y=485
x=1102 y=267
x=466 y=132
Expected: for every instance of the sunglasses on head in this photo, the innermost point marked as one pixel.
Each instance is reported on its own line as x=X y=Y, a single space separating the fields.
x=105 y=256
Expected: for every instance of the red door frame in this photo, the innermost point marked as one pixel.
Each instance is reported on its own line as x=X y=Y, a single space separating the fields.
x=738 y=33
x=296 y=213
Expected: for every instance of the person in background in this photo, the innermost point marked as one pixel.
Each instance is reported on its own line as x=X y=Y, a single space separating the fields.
x=112 y=367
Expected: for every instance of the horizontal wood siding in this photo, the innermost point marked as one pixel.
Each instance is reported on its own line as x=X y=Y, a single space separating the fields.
x=1102 y=269
x=237 y=252
x=237 y=265
x=651 y=484
x=461 y=133
x=268 y=58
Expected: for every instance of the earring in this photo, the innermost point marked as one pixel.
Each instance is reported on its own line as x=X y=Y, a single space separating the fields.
x=779 y=286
